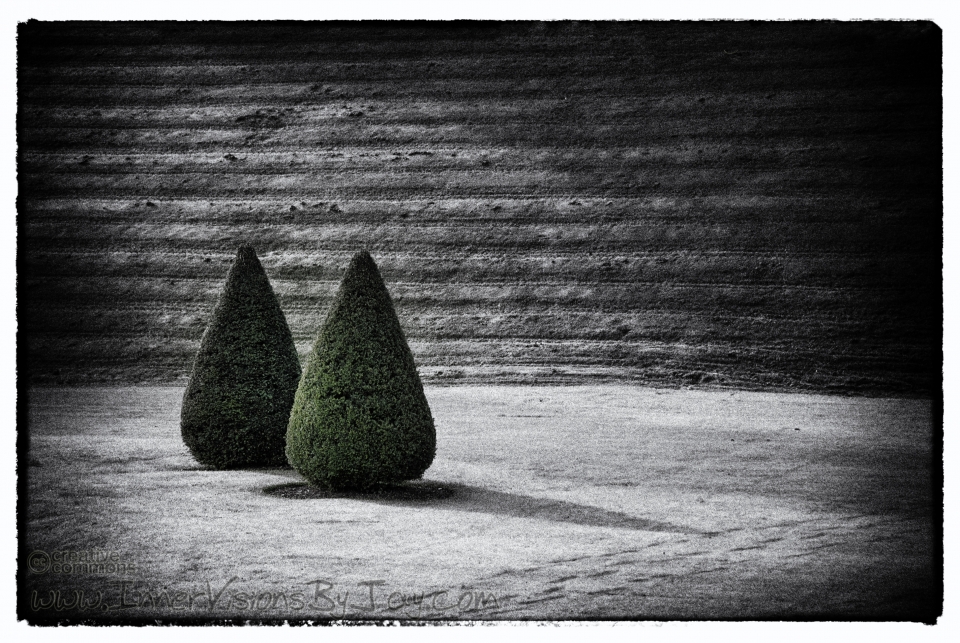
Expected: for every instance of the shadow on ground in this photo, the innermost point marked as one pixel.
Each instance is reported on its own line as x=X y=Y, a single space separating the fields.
x=461 y=497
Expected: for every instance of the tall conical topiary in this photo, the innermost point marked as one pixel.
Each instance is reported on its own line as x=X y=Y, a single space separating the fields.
x=360 y=417
x=237 y=405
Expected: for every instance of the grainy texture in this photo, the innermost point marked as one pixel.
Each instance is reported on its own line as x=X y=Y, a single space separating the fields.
x=611 y=501
x=752 y=205
x=236 y=406
x=359 y=416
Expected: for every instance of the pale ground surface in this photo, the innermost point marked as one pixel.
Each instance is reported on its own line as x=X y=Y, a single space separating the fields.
x=569 y=503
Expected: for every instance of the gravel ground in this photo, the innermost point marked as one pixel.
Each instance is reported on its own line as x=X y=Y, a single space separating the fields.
x=546 y=503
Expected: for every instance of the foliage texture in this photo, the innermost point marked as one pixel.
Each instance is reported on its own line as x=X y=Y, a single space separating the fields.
x=238 y=401
x=360 y=417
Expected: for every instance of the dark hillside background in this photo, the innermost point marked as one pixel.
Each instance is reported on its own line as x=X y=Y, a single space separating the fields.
x=739 y=204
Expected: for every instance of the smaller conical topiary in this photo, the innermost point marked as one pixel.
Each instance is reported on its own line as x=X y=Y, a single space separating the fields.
x=237 y=404
x=360 y=417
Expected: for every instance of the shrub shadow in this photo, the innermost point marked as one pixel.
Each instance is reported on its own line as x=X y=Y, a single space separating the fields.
x=461 y=497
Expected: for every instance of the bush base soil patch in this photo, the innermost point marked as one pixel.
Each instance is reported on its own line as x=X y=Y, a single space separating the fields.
x=406 y=491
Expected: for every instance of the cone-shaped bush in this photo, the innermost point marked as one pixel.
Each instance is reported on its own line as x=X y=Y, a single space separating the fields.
x=237 y=405
x=360 y=417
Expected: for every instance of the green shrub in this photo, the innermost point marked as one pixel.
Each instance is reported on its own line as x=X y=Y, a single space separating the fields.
x=360 y=417
x=237 y=404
